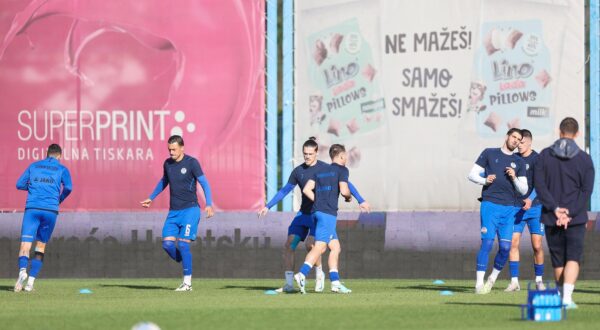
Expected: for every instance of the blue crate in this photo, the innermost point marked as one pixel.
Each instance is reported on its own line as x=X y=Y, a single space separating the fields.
x=543 y=305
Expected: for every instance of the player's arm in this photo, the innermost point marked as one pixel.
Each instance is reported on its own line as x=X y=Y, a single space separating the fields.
x=160 y=186
x=587 y=185
x=475 y=176
x=364 y=205
x=309 y=190
x=207 y=195
x=67 y=185
x=284 y=191
x=23 y=181
x=519 y=179
x=344 y=174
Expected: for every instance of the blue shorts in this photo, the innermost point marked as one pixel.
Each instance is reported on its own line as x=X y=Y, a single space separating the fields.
x=498 y=220
x=38 y=225
x=182 y=223
x=302 y=226
x=325 y=227
x=530 y=217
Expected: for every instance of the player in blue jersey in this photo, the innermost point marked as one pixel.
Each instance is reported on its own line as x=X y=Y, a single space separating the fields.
x=48 y=183
x=302 y=227
x=529 y=215
x=181 y=173
x=504 y=183
x=324 y=189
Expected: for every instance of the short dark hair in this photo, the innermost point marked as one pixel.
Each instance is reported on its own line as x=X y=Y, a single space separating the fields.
x=54 y=150
x=525 y=133
x=311 y=143
x=569 y=126
x=176 y=139
x=335 y=150
x=514 y=130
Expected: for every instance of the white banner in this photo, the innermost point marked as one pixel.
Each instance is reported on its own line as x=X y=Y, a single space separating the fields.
x=415 y=90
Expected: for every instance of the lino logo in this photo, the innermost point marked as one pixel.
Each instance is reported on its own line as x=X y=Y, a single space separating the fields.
x=180 y=117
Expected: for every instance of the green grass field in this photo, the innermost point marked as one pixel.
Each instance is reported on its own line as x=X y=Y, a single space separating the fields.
x=242 y=304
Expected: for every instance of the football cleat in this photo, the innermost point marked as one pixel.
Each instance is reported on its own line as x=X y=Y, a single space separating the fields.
x=340 y=288
x=540 y=285
x=301 y=281
x=184 y=287
x=20 y=281
x=512 y=287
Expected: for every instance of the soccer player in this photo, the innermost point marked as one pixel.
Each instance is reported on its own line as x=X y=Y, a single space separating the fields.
x=302 y=227
x=327 y=184
x=504 y=182
x=48 y=183
x=564 y=180
x=181 y=173
x=529 y=214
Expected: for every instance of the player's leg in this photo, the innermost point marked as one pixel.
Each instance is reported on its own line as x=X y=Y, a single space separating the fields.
x=188 y=220
x=322 y=237
x=333 y=262
x=574 y=251
x=555 y=238
x=488 y=233
x=536 y=229
x=505 y=225
x=309 y=242
x=169 y=236
x=43 y=235
x=29 y=229
x=297 y=232
x=514 y=257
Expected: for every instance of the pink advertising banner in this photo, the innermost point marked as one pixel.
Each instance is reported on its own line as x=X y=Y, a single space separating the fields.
x=110 y=81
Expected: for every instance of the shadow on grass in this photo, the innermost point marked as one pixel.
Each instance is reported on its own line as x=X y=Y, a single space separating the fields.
x=6 y=288
x=482 y=304
x=455 y=288
x=587 y=291
x=248 y=287
x=137 y=287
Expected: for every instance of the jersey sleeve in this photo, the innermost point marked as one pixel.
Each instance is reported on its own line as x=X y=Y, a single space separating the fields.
x=344 y=174
x=67 y=185
x=196 y=169
x=482 y=159
x=23 y=181
x=292 y=179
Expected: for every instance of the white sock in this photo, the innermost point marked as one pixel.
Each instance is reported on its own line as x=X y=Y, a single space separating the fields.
x=289 y=277
x=319 y=269
x=538 y=279
x=187 y=279
x=335 y=283
x=514 y=280
x=568 y=293
x=494 y=275
x=22 y=270
x=30 y=280
x=480 y=276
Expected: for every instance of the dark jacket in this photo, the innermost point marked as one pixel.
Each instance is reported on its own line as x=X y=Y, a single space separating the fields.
x=564 y=177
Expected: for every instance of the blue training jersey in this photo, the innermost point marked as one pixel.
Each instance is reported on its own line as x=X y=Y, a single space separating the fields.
x=300 y=176
x=529 y=165
x=327 y=188
x=47 y=183
x=182 y=178
x=501 y=191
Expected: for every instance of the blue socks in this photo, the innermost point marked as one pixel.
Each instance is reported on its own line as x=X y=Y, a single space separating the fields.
x=186 y=257
x=23 y=262
x=334 y=276
x=502 y=255
x=305 y=269
x=484 y=252
x=539 y=269
x=172 y=251
x=514 y=268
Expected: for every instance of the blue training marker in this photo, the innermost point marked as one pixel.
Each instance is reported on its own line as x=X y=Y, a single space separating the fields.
x=271 y=292
x=438 y=282
x=85 y=291
x=446 y=293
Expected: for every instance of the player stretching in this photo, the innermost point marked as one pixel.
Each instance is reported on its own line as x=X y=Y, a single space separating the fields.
x=529 y=214
x=302 y=227
x=504 y=182
x=43 y=181
x=327 y=184
x=180 y=173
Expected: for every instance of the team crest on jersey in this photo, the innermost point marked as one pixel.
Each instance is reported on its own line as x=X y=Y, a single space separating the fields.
x=513 y=165
x=483 y=230
x=527 y=167
x=183 y=170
